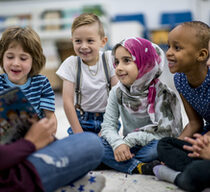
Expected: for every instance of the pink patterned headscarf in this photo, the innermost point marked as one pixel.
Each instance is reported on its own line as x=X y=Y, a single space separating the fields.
x=149 y=59
x=144 y=54
x=148 y=96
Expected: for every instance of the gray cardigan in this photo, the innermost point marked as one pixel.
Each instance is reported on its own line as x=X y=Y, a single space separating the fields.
x=109 y=131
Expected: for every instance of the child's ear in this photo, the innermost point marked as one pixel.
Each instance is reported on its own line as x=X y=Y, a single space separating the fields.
x=104 y=41
x=203 y=55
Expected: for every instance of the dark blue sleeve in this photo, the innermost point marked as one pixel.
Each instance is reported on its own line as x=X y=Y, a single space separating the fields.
x=177 y=82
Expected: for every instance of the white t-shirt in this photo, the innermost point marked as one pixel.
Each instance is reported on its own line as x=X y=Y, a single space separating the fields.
x=93 y=88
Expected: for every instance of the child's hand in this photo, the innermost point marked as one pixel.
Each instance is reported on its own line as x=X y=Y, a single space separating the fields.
x=202 y=140
x=200 y=146
x=99 y=134
x=198 y=143
x=122 y=153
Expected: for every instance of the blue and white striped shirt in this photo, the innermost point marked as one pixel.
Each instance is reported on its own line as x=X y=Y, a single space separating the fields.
x=37 y=89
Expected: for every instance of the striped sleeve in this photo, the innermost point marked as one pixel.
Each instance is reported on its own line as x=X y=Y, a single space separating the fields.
x=3 y=84
x=47 y=100
x=40 y=94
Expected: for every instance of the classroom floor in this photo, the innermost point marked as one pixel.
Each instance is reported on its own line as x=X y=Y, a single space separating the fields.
x=116 y=181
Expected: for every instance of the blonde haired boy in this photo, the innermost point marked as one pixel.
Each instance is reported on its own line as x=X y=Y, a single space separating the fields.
x=85 y=109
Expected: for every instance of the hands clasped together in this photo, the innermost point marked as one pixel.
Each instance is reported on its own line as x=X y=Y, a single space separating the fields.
x=200 y=146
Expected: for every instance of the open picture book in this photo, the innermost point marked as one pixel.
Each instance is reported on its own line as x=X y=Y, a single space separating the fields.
x=15 y=110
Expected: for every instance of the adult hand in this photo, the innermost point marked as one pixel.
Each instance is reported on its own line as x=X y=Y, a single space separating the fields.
x=41 y=132
x=122 y=153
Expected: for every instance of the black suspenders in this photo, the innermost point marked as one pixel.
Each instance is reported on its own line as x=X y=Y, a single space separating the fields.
x=108 y=78
x=77 y=86
x=78 y=78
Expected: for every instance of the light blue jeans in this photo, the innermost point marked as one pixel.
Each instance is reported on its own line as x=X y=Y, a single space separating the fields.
x=64 y=161
x=144 y=154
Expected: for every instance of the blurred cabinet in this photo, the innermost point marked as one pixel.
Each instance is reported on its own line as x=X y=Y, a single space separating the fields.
x=49 y=22
x=53 y=24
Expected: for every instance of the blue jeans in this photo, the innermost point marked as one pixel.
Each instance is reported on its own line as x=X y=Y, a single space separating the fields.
x=64 y=161
x=146 y=153
x=89 y=122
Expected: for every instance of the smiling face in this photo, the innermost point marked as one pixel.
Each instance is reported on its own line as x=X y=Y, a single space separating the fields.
x=125 y=68
x=183 y=49
x=87 y=42
x=17 y=63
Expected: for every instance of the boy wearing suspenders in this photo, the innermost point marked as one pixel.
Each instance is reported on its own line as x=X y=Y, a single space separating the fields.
x=87 y=77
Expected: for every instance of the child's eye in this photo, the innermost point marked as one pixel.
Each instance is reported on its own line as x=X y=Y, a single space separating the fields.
x=77 y=41
x=177 y=48
x=116 y=63
x=23 y=58
x=127 y=60
x=9 y=57
x=90 y=41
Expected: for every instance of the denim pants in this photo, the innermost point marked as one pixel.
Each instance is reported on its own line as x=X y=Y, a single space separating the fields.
x=64 y=161
x=195 y=176
x=145 y=153
x=89 y=121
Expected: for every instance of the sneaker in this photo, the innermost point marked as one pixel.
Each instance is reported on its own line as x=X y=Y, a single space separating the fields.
x=147 y=168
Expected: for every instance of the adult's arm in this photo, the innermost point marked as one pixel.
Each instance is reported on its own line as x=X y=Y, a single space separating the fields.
x=38 y=136
x=14 y=153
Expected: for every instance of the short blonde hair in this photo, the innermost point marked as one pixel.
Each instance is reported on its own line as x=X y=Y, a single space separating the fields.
x=30 y=42
x=87 y=19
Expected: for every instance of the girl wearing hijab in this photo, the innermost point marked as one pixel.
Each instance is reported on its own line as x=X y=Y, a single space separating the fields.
x=149 y=110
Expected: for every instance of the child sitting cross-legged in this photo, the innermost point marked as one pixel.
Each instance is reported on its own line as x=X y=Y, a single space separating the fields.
x=148 y=108
x=188 y=58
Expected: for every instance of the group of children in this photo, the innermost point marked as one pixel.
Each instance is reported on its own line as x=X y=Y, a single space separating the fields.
x=101 y=87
